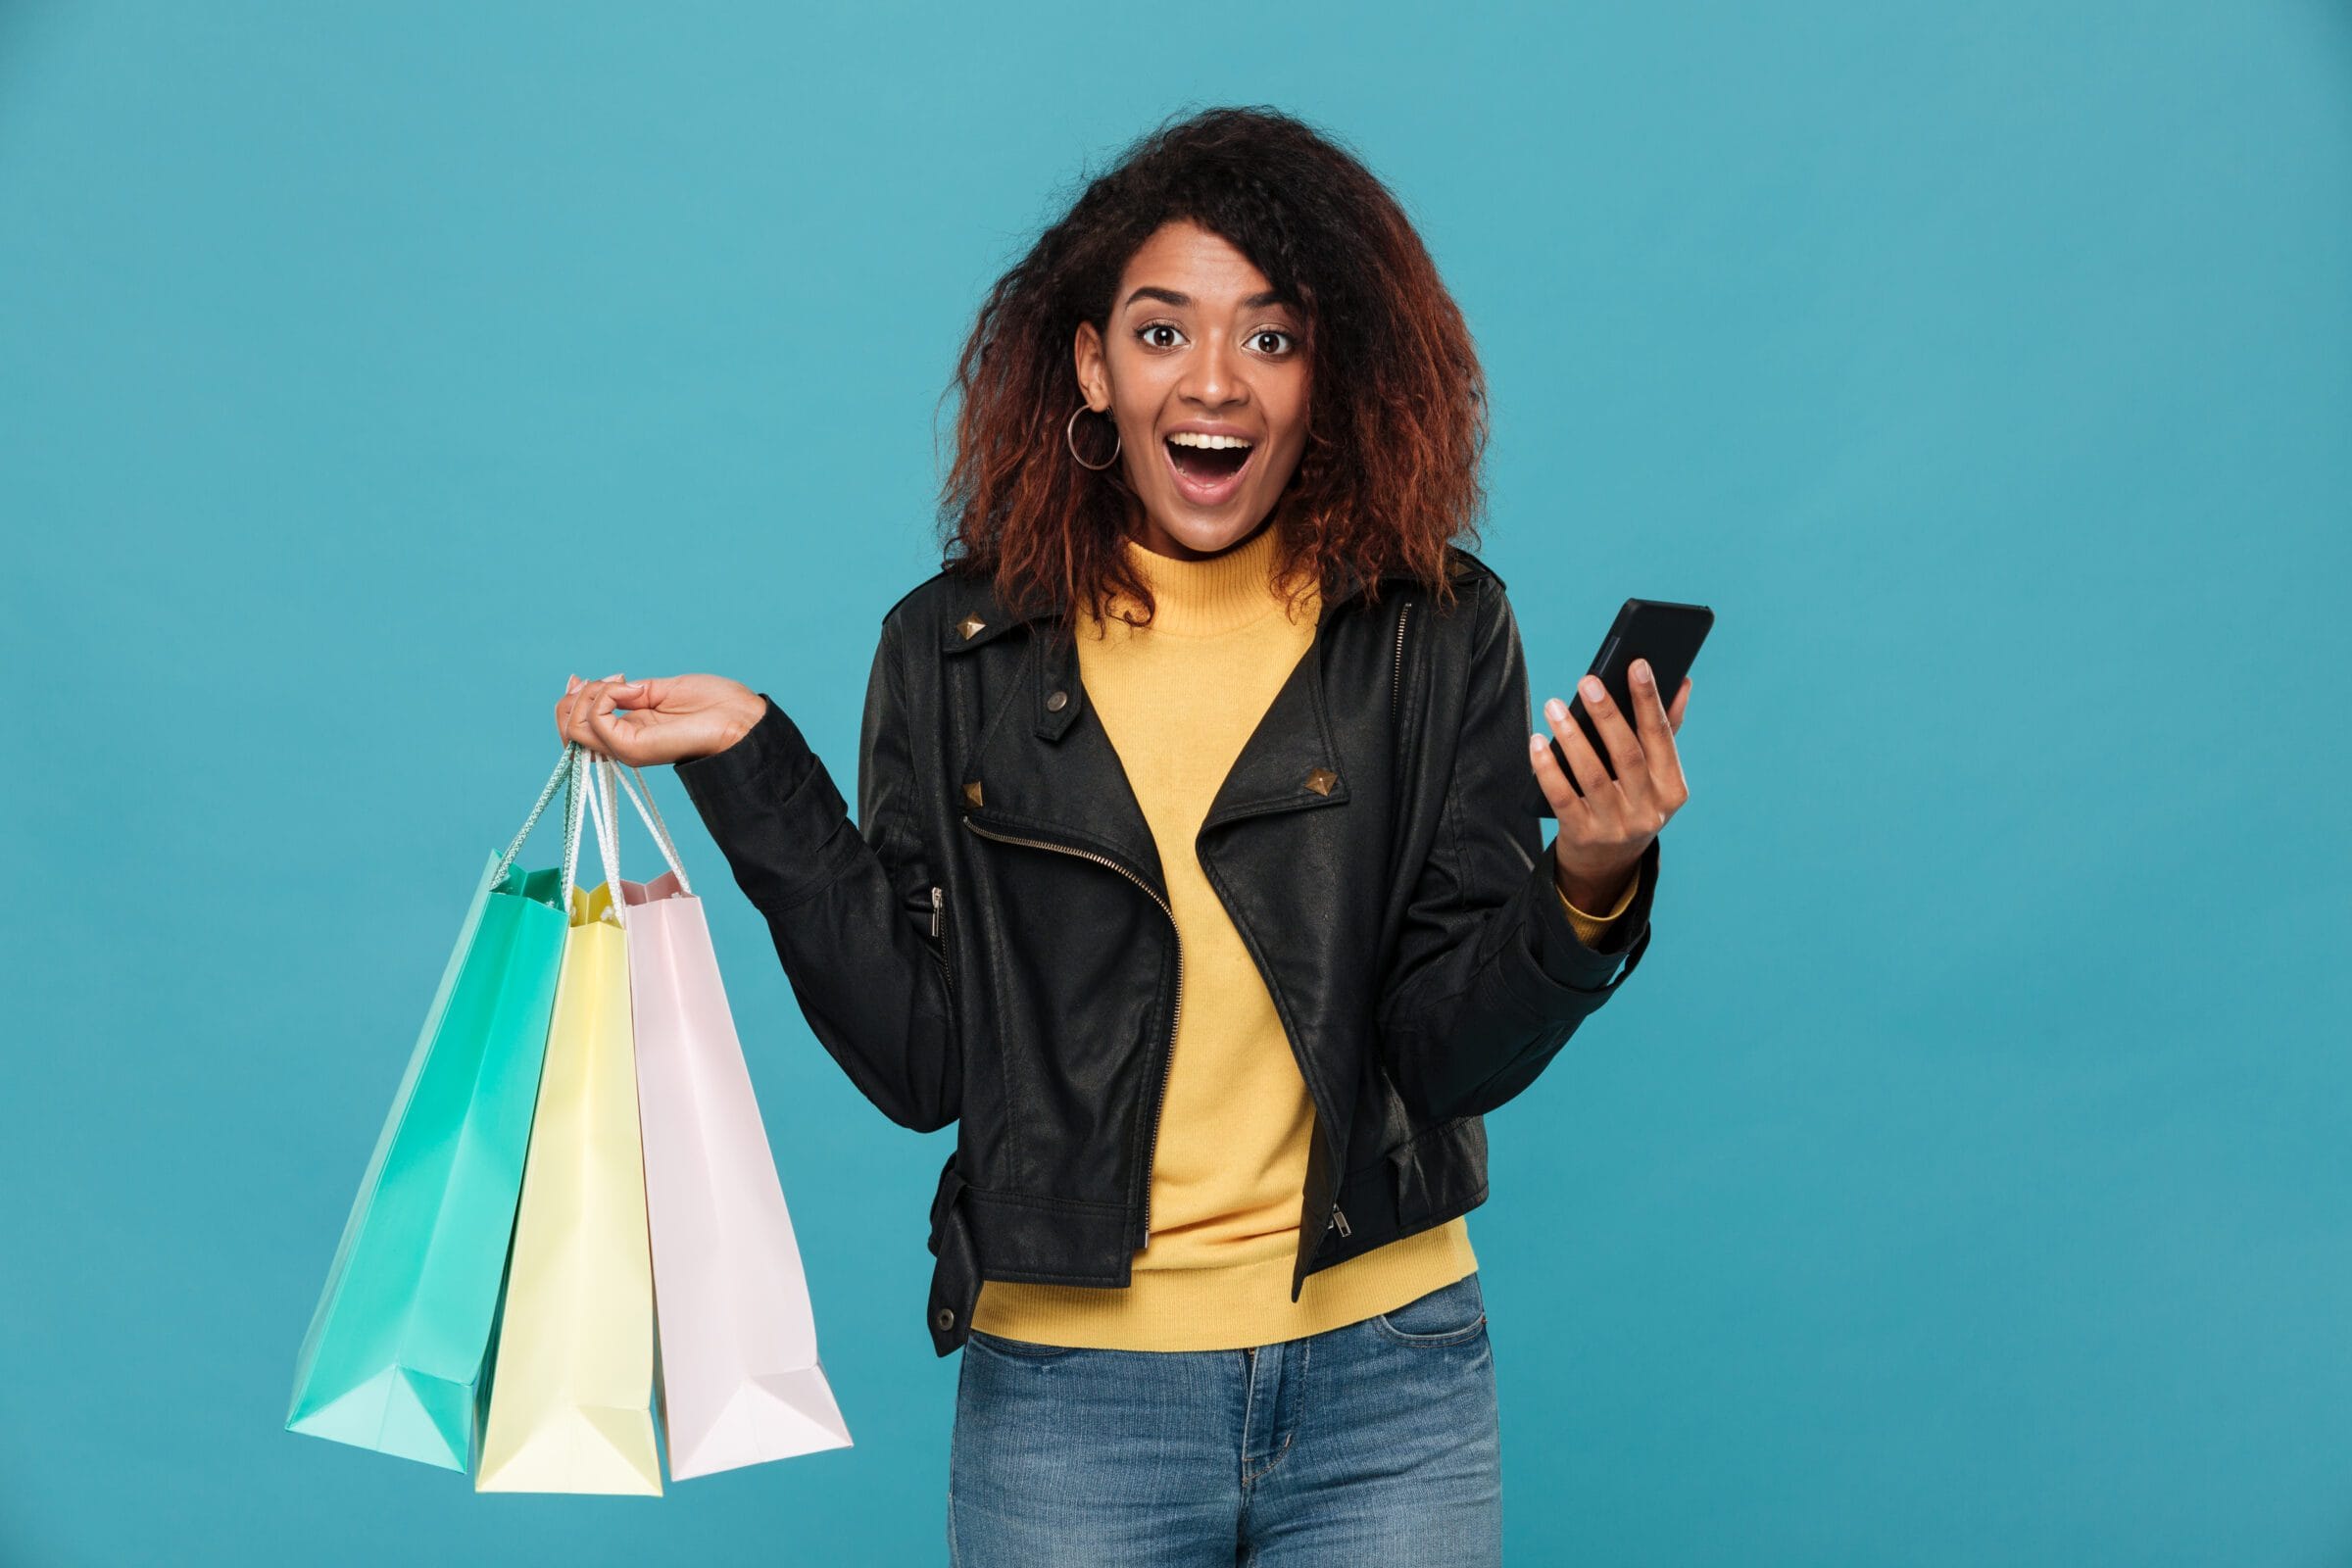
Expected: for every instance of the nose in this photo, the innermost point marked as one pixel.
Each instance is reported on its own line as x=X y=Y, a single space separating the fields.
x=1212 y=376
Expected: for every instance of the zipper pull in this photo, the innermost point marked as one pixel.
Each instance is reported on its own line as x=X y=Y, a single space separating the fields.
x=939 y=900
x=1339 y=1219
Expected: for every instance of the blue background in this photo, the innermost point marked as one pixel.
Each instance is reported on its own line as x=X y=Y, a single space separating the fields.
x=1963 y=1180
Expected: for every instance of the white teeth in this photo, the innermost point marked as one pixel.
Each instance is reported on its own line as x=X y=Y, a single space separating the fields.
x=1194 y=438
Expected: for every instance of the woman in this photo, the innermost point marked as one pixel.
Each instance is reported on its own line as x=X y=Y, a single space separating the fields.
x=1218 y=1055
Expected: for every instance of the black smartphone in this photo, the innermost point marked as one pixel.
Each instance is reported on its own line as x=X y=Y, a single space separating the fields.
x=1665 y=633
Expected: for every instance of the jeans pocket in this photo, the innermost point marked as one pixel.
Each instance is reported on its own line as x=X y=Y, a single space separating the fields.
x=1450 y=1315
x=1026 y=1350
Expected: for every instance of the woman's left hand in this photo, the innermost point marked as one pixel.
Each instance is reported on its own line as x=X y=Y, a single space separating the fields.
x=1605 y=830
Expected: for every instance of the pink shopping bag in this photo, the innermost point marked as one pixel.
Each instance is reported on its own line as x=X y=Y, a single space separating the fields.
x=740 y=1380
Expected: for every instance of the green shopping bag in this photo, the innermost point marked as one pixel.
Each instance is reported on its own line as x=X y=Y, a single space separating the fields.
x=396 y=1343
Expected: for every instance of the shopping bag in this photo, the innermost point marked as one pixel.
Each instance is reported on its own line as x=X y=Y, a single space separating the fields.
x=396 y=1344
x=570 y=1397
x=739 y=1378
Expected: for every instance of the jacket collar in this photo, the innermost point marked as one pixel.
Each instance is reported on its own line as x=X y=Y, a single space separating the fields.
x=976 y=615
x=1044 y=770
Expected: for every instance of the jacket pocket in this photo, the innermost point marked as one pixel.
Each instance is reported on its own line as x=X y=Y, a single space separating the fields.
x=1440 y=1173
x=939 y=935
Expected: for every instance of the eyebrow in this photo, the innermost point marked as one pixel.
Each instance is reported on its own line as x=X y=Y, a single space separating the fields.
x=1169 y=296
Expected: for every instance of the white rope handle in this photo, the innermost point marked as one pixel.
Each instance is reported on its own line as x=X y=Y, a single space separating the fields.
x=602 y=776
x=602 y=810
x=608 y=826
x=607 y=773
x=652 y=816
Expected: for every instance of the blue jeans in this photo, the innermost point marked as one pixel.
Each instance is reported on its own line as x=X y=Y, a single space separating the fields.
x=1374 y=1443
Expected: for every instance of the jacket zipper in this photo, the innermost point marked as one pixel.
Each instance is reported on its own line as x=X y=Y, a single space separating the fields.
x=1396 y=678
x=947 y=970
x=1151 y=1140
x=1338 y=1218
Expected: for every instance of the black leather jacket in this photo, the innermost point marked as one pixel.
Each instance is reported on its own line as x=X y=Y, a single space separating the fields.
x=991 y=942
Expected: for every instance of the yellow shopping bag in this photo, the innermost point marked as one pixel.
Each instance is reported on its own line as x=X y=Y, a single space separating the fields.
x=571 y=1381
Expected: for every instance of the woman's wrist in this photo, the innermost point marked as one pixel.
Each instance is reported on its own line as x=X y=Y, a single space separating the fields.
x=1584 y=894
x=741 y=716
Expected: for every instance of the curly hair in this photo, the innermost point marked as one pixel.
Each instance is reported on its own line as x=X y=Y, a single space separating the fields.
x=1397 y=409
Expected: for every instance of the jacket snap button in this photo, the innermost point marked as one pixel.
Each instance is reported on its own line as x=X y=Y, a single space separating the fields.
x=945 y=1317
x=1056 y=702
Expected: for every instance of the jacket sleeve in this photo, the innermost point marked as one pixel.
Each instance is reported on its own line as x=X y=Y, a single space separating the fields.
x=848 y=907
x=1489 y=978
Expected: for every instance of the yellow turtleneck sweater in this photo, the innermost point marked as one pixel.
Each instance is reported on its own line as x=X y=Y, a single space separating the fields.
x=1178 y=699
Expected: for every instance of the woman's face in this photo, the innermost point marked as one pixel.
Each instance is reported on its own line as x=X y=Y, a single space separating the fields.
x=1200 y=356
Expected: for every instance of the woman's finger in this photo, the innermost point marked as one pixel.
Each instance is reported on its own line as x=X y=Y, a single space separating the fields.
x=1583 y=762
x=1682 y=700
x=611 y=739
x=586 y=704
x=1664 y=779
x=1574 y=815
x=625 y=724
x=1630 y=809
x=1625 y=747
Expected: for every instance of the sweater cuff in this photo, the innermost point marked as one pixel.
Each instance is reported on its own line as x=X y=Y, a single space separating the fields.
x=1590 y=928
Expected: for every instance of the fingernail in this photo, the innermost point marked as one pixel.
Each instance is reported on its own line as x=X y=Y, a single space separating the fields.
x=1642 y=670
x=1592 y=689
x=1555 y=709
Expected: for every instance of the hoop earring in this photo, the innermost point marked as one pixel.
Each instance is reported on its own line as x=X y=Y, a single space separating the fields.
x=1069 y=433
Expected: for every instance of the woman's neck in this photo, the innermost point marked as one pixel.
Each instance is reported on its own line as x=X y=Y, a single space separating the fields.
x=1211 y=593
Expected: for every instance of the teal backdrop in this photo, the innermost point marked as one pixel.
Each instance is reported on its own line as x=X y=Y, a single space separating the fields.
x=1964 y=1179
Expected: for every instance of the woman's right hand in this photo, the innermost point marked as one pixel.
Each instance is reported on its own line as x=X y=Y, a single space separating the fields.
x=673 y=719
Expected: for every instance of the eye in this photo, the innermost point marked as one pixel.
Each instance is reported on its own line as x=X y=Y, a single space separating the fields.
x=1145 y=332
x=1265 y=333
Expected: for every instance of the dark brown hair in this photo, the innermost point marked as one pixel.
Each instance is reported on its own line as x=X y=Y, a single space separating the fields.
x=1398 y=417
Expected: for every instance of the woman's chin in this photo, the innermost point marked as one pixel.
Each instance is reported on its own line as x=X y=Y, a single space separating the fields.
x=1204 y=531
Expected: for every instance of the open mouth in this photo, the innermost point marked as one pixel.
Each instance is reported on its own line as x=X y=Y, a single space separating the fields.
x=1207 y=474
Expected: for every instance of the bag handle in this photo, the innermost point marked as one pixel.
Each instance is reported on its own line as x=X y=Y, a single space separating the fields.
x=566 y=773
x=651 y=814
x=595 y=780
x=601 y=801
